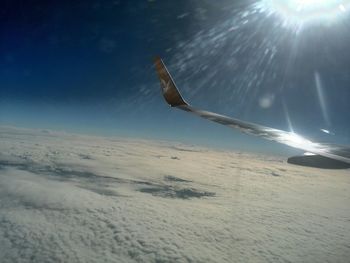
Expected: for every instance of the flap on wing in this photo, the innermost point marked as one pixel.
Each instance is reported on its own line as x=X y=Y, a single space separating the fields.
x=169 y=89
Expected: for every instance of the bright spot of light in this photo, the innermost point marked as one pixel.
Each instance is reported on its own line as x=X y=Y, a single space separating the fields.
x=266 y=101
x=295 y=139
x=327 y=131
x=305 y=11
x=342 y=8
x=308 y=154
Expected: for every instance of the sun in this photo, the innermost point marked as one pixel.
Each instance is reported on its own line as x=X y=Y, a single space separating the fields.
x=307 y=11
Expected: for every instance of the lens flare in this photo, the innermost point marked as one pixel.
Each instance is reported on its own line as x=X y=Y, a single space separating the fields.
x=301 y=12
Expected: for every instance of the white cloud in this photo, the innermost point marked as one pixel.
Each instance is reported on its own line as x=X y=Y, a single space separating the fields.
x=75 y=198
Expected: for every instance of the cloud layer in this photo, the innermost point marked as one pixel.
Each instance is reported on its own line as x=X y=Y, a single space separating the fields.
x=75 y=198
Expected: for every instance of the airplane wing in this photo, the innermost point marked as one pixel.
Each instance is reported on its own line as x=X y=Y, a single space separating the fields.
x=319 y=154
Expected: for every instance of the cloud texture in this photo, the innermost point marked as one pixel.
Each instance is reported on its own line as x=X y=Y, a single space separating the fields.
x=74 y=198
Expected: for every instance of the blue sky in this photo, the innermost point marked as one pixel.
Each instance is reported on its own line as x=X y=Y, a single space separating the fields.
x=86 y=66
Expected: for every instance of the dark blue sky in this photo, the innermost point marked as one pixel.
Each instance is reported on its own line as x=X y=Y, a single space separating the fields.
x=86 y=66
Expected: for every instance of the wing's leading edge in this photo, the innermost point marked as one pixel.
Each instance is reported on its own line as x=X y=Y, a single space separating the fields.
x=174 y=99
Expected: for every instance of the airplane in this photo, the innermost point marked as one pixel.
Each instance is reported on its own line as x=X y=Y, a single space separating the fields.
x=317 y=155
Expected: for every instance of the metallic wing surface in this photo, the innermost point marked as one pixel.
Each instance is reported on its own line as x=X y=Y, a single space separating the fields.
x=319 y=155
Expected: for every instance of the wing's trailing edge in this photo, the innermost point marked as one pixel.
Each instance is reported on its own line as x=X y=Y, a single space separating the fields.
x=335 y=156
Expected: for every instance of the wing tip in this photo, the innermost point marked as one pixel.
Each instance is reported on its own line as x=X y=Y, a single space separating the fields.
x=170 y=92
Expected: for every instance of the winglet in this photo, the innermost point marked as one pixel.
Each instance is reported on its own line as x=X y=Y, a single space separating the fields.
x=169 y=89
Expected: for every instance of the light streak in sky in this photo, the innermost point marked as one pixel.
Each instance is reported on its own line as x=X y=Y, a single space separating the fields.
x=321 y=98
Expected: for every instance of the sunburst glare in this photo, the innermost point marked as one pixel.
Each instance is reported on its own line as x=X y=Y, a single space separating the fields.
x=302 y=12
